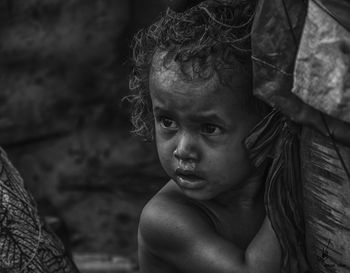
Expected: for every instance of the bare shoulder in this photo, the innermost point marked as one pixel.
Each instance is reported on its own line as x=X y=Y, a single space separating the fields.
x=174 y=236
x=168 y=222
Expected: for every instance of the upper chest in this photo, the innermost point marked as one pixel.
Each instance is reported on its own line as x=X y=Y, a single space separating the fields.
x=236 y=225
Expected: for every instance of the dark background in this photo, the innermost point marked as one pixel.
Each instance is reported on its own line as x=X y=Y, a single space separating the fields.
x=64 y=70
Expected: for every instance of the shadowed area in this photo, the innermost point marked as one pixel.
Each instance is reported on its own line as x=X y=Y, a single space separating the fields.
x=64 y=70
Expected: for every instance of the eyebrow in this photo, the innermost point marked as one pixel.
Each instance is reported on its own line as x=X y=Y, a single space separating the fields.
x=208 y=117
x=200 y=117
x=160 y=110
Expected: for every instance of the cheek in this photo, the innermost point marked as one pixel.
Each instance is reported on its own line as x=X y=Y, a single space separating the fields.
x=165 y=152
x=230 y=162
x=240 y=167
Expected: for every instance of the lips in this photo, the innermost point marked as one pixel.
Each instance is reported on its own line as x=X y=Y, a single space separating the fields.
x=189 y=179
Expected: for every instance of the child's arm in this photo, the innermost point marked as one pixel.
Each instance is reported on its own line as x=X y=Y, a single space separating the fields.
x=186 y=241
x=264 y=251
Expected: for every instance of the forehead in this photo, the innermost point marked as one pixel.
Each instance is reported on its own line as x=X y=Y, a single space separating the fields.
x=167 y=72
x=172 y=90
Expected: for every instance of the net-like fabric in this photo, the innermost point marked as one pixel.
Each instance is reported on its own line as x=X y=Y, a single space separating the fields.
x=27 y=245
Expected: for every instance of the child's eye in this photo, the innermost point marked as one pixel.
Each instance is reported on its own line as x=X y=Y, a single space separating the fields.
x=167 y=123
x=210 y=129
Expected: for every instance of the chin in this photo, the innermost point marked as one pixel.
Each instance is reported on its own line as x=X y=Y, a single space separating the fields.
x=198 y=195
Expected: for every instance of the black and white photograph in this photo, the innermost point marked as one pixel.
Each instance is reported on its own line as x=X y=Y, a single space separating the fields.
x=175 y=136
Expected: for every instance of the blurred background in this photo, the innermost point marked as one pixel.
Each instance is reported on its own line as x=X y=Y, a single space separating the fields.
x=64 y=70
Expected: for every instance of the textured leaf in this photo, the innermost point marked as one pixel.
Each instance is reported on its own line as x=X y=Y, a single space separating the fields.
x=26 y=244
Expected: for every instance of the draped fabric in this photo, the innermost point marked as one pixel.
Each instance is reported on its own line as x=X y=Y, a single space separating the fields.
x=276 y=138
x=338 y=9
x=321 y=74
x=27 y=245
x=276 y=33
x=321 y=79
x=326 y=203
x=300 y=52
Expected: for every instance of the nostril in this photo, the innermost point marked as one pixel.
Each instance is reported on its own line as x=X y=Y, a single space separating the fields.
x=184 y=155
x=177 y=154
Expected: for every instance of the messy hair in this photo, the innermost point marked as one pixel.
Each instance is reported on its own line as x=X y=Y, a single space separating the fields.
x=212 y=28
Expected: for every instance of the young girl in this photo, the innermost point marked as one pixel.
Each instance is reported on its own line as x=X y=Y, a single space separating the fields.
x=192 y=78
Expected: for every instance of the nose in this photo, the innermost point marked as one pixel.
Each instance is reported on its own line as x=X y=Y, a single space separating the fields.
x=186 y=149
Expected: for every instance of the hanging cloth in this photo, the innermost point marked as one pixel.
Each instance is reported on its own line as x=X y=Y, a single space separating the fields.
x=276 y=138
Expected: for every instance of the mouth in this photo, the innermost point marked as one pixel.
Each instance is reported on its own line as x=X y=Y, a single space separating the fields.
x=189 y=179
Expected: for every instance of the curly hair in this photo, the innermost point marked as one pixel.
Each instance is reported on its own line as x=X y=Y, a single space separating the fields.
x=212 y=28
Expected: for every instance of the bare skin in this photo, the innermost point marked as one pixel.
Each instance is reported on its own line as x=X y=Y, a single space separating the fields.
x=210 y=216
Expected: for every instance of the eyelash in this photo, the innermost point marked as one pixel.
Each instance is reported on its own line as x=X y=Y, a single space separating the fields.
x=216 y=127
x=162 y=121
x=174 y=127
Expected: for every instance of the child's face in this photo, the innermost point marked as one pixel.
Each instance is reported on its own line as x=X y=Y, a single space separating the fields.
x=199 y=131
